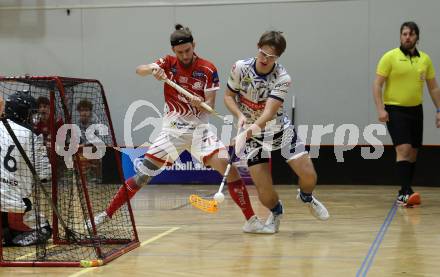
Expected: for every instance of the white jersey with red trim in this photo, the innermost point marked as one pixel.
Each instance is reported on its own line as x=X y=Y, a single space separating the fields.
x=199 y=78
x=253 y=90
x=16 y=178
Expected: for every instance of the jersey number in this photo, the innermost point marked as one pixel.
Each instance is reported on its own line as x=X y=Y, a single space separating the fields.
x=9 y=162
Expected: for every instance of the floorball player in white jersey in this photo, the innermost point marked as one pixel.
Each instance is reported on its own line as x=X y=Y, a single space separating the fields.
x=255 y=94
x=19 y=224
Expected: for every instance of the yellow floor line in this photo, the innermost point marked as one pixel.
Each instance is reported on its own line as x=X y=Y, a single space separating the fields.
x=159 y=236
x=82 y=271
x=169 y=231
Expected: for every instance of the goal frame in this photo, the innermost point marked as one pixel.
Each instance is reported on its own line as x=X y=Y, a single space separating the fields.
x=59 y=82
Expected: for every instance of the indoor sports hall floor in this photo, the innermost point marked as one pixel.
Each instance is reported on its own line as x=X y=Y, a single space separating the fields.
x=367 y=235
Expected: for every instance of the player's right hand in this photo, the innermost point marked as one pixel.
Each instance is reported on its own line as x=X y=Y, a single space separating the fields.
x=383 y=116
x=241 y=121
x=239 y=142
x=159 y=74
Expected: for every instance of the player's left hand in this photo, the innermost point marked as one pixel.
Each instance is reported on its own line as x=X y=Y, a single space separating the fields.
x=159 y=74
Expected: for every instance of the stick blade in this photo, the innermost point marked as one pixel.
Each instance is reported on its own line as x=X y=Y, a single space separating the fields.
x=208 y=206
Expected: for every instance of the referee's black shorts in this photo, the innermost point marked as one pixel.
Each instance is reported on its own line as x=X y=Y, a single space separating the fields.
x=405 y=125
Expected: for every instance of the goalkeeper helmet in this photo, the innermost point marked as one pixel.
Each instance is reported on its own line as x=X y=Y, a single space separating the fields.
x=20 y=106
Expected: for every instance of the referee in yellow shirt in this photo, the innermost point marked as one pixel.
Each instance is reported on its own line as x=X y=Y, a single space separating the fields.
x=404 y=70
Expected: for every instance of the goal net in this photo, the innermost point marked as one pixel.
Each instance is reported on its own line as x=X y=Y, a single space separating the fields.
x=54 y=135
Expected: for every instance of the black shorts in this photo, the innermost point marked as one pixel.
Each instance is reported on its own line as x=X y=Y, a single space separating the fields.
x=405 y=125
x=291 y=146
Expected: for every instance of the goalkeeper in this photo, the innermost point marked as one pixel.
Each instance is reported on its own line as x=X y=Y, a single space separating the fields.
x=22 y=225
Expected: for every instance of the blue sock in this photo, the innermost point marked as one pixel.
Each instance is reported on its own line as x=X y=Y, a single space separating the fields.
x=278 y=209
x=305 y=197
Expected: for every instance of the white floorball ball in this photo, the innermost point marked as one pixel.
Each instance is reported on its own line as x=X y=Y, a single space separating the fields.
x=219 y=197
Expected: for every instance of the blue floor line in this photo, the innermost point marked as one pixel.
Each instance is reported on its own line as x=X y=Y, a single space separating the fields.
x=368 y=261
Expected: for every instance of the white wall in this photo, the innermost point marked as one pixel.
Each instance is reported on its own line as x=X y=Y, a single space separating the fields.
x=333 y=47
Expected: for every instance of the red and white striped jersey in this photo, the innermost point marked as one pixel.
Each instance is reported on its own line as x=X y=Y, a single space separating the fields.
x=199 y=78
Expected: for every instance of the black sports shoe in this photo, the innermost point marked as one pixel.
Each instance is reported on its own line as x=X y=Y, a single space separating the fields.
x=402 y=199
x=409 y=199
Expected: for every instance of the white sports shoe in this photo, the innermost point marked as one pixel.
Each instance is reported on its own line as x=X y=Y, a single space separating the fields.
x=99 y=219
x=254 y=226
x=273 y=221
x=317 y=209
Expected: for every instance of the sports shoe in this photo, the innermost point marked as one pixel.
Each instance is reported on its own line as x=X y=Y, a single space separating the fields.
x=317 y=209
x=254 y=226
x=402 y=199
x=409 y=199
x=99 y=219
x=273 y=221
x=414 y=199
x=7 y=236
x=33 y=237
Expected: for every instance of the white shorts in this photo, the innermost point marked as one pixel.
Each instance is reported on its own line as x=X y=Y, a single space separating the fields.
x=202 y=143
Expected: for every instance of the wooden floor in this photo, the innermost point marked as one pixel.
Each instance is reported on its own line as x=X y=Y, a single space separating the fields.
x=366 y=236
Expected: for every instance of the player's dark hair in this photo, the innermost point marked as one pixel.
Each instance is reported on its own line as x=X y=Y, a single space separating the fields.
x=412 y=26
x=43 y=100
x=181 y=35
x=273 y=39
x=84 y=105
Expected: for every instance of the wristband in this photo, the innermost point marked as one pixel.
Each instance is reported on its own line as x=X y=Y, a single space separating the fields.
x=438 y=110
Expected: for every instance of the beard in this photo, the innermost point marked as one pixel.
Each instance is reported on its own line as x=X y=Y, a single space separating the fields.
x=188 y=63
x=408 y=45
